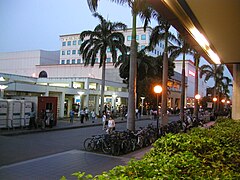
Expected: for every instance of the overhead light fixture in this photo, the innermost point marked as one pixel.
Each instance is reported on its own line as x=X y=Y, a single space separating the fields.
x=215 y=58
x=200 y=38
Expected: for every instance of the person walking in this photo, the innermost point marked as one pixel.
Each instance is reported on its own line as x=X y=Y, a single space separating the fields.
x=86 y=114
x=104 y=120
x=82 y=114
x=111 y=125
x=93 y=115
x=71 y=116
x=32 y=122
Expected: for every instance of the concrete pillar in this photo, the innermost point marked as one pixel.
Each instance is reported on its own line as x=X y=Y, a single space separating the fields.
x=86 y=97
x=47 y=90
x=61 y=103
x=97 y=103
x=236 y=92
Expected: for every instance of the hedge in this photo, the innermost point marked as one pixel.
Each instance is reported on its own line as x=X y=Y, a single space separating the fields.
x=199 y=154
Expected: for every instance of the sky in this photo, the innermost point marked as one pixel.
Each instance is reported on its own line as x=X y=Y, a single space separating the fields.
x=37 y=24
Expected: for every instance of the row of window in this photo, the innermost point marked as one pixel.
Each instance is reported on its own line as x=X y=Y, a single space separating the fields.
x=70 y=43
x=143 y=37
x=79 y=42
x=73 y=52
x=80 y=61
x=69 y=52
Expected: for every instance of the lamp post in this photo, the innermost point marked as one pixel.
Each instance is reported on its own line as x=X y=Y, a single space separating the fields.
x=142 y=98
x=157 y=90
x=113 y=101
x=80 y=97
x=197 y=97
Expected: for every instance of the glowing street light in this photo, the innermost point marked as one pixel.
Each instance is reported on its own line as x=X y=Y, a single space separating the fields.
x=197 y=97
x=214 y=99
x=157 y=89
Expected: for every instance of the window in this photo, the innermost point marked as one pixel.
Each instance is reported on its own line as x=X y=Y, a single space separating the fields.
x=43 y=74
x=78 y=61
x=69 y=43
x=142 y=47
x=68 y=52
x=78 y=51
x=108 y=49
x=143 y=37
x=129 y=38
x=68 y=61
x=73 y=51
x=64 y=43
x=79 y=42
x=62 y=61
x=96 y=60
x=108 y=60
x=73 y=61
x=137 y=37
x=63 y=52
x=74 y=42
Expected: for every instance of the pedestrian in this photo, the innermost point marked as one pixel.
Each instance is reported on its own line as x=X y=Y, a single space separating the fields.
x=93 y=115
x=111 y=125
x=104 y=120
x=86 y=114
x=71 y=116
x=82 y=114
x=32 y=121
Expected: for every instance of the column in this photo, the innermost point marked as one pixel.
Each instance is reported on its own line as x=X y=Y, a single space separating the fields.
x=97 y=104
x=47 y=90
x=86 y=98
x=61 y=103
x=236 y=92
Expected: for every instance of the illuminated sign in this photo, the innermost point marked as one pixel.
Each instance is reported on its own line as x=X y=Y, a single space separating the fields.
x=191 y=73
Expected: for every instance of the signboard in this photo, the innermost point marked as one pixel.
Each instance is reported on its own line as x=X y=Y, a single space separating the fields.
x=209 y=104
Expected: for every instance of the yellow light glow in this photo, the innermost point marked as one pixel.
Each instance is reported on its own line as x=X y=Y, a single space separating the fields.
x=214 y=99
x=223 y=100
x=157 y=89
x=197 y=96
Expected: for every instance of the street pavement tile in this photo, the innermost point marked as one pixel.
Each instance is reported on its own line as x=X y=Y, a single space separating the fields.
x=61 y=164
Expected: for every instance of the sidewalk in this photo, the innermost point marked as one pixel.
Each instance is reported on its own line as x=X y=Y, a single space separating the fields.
x=63 y=124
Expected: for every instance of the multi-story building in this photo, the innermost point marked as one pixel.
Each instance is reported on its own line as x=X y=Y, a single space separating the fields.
x=190 y=83
x=62 y=74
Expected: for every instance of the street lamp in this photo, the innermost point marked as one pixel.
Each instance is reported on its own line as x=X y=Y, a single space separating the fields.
x=197 y=97
x=142 y=105
x=80 y=98
x=157 y=90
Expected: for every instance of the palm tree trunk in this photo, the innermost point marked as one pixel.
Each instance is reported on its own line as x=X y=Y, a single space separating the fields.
x=196 y=88
x=164 y=116
x=103 y=85
x=132 y=78
x=183 y=90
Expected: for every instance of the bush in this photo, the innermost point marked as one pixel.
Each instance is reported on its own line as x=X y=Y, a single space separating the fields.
x=200 y=154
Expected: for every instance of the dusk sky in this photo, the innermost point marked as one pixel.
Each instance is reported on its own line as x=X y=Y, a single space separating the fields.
x=37 y=24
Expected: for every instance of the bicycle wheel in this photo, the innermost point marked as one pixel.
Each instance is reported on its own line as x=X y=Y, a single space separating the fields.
x=126 y=146
x=106 y=147
x=88 y=144
x=115 y=149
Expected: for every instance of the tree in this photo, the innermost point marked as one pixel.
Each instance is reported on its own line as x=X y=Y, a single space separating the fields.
x=161 y=32
x=103 y=36
x=141 y=8
x=183 y=48
x=221 y=82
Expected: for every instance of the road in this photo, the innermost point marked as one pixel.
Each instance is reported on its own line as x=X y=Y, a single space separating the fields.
x=54 y=149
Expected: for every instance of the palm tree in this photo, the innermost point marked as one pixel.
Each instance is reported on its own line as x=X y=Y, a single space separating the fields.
x=183 y=48
x=103 y=36
x=215 y=72
x=161 y=32
x=196 y=56
x=141 y=8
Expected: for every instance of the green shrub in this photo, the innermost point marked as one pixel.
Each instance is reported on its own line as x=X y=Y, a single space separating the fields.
x=200 y=154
